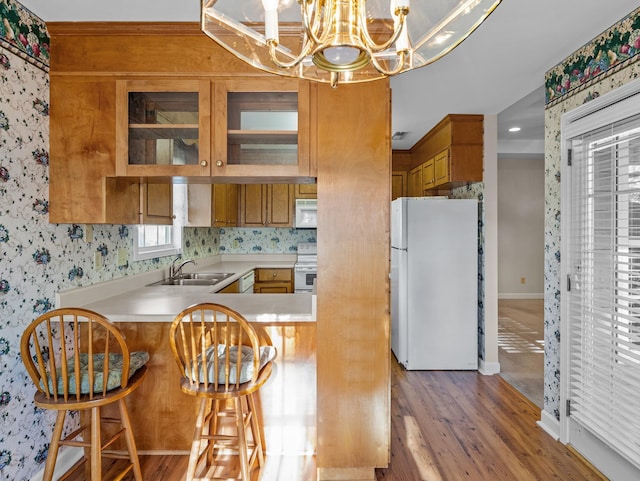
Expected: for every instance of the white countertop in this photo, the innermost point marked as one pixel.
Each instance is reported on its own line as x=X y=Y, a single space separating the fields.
x=132 y=300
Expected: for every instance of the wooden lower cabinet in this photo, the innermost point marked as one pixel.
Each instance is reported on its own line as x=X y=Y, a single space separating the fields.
x=273 y=281
x=233 y=288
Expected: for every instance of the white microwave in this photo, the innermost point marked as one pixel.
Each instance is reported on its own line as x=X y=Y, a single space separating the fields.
x=306 y=213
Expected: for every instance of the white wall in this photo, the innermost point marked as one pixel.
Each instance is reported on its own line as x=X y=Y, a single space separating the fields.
x=520 y=228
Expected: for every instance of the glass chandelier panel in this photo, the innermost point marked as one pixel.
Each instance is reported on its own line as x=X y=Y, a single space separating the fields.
x=341 y=41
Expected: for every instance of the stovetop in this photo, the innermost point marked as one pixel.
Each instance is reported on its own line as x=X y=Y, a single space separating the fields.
x=307 y=253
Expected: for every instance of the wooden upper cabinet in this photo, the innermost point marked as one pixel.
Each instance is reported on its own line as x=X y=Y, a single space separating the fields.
x=448 y=156
x=262 y=128
x=212 y=205
x=306 y=191
x=156 y=201
x=429 y=174
x=163 y=128
x=82 y=188
x=250 y=128
x=266 y=205
x=416 y=186
x=398 y=184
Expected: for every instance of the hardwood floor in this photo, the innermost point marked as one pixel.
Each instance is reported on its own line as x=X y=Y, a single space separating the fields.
x=446 y=426
x=521 y=346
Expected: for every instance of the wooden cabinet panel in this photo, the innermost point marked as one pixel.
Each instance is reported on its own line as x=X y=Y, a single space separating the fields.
x=233 y=288
x=212 y=205
x=398 y=184
x=353 y=280
x=225 y=205
x=429 y=174
x=157 y=204
x=248 y=146
x=416 y=187
x=273 y=281
x=266 y=205
x=453 y=150
x=306 y=191
x=253 y=205
x=441 y=168
x=163 y=127
x=82 y=156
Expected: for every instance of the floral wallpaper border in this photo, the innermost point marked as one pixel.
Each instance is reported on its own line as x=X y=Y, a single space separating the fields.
x=605 y=55
x=24 y=34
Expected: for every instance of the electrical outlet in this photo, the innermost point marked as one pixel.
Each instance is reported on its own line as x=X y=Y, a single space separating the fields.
x=123 y=257
x=98 y=261
x=88 y=233
x=523 y=280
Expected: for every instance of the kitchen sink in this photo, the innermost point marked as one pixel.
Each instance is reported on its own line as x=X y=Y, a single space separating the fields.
x=195 y=279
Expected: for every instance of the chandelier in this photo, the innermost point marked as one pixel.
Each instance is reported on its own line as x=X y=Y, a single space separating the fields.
x=341 y=41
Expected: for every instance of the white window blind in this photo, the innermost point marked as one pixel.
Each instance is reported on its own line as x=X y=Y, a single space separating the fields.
x=604 y=284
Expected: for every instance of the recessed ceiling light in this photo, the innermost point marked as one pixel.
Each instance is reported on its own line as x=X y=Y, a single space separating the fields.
x=514 y=129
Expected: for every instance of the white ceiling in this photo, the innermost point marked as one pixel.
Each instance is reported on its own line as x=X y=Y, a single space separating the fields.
x=498 y=70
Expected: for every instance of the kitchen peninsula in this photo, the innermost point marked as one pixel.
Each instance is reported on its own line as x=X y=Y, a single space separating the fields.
x=163 y=417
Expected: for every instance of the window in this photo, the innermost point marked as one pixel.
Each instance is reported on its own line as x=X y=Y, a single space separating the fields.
x=150 y=241
x=601 y=258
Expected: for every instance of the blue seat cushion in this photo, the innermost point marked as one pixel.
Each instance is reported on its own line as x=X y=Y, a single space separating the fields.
x=114 y=378
x=267 y=354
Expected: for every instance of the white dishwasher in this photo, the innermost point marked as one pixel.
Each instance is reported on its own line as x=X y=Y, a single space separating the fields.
x=245 y=283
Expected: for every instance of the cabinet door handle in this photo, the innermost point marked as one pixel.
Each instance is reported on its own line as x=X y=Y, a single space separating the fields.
x=219 y=163
x=203 y=163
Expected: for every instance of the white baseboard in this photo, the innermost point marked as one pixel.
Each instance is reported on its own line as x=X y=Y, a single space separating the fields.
x=66 y=458
x=550 y=424
x=521 y=295
x=488 y=368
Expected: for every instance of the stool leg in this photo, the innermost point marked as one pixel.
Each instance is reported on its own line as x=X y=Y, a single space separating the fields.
x=214 y=407
x=96 y=446
x=255 y=430
x=195 y=444
x=54 y=445
x=242 y=439
x=128 y=436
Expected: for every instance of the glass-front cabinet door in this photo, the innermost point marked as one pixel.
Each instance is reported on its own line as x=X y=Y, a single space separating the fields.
x=163 y=128
x=261 y=128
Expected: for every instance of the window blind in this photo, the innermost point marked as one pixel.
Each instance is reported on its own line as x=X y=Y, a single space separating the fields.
x=604 y=275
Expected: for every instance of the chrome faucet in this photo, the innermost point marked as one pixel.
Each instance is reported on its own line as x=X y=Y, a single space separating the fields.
x=175 y=272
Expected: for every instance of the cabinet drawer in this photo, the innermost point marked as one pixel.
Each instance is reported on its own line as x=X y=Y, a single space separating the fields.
x=267 y=275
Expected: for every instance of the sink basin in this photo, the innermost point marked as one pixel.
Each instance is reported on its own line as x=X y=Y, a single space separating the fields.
x=195 y=279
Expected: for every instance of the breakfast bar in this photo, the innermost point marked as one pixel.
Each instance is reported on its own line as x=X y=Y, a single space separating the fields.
x=163 y=416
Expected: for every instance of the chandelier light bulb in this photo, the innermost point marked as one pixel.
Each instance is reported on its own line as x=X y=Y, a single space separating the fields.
x=271 y=20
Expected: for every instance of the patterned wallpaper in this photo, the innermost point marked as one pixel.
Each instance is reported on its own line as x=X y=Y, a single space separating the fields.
x=38 y=259
x=476 y=191
x=617 y=75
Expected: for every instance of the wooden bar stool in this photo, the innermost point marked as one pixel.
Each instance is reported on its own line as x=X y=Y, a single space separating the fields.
x=223 y=361
x=79 y=360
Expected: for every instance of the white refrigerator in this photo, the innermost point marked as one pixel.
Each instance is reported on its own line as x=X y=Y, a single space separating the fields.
x=434 y=283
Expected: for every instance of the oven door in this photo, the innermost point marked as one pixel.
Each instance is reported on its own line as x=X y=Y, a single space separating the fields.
x=305 y=275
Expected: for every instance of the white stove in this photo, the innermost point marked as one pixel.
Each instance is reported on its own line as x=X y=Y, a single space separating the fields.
x=306 y=267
